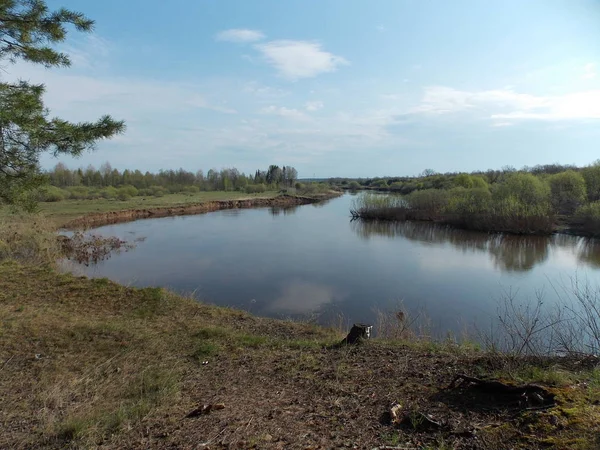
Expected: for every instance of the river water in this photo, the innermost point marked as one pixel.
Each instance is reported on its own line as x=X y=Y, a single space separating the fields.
x=312 y=262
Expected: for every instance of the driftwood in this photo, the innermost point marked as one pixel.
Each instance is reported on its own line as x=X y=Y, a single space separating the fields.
x=528 y=396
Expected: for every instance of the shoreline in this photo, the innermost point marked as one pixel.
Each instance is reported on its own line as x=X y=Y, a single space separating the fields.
x=557 y=229
x=93 y=220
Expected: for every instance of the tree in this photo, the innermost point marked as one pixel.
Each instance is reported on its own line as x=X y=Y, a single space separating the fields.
x=591 y=175
x=568 y=191
x=27 y=29
x=527 y=189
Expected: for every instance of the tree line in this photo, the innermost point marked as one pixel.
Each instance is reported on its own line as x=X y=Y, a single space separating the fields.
x=109 y=182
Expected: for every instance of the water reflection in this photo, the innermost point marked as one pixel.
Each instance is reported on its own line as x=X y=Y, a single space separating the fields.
x=286 y=211
x=518 y=253
x=509 y=253
x=310 y=260
x=590 y=252
x=300 y=297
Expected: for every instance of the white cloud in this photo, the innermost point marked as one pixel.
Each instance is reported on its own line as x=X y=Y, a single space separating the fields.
x=502 y=104
x=313 y=106
x=240 y=35
x=299 y=59
x=282 y=111
x=589 y=71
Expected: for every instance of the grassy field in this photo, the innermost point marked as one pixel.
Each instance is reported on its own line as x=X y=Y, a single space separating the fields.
x=69 y=209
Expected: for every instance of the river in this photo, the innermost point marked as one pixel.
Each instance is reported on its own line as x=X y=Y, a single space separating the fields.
x=312 y=262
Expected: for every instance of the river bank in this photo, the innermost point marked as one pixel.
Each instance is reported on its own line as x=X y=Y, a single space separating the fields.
x=110 y=217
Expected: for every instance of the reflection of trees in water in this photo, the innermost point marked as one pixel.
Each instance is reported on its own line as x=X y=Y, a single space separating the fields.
x=287 y=210
x=321 y=203
x=518 y=253
x=509 y=253
x=589 y=252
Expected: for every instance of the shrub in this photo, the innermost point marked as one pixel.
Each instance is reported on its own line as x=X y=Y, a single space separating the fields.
x=432 y=201
x=527 y=189
x=568 y=191
x=465 y=202
x=109 y=192
x=352 y=185
x=129 y=190
x=255 y=188
x=123 y=196
x=380 y=184
x=591 y=175
x=53 y=194
x=191 y=190
x=587 y=217
x=78 y=192
x=158 y=191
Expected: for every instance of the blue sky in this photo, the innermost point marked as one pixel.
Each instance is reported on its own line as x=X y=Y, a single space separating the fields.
x=334 y=88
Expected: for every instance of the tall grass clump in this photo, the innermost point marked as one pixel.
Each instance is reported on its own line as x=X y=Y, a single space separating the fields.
x=381 y=207
x=28 y=238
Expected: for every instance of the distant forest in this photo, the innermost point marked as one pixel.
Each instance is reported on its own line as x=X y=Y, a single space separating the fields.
x=107 y=182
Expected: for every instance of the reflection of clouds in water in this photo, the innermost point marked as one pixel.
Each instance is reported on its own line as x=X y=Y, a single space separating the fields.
x=302 y=297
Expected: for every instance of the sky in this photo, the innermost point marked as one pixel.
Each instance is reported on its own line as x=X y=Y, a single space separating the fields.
x=333 y=87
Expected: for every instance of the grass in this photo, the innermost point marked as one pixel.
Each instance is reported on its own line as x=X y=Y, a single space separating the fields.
x=69 y=209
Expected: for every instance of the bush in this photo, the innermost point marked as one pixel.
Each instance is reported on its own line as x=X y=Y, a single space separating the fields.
x=587 y=217
x=527 y=189
x=465 y=202
x=78 y=192
x=123 y=196
x=109 y=192
x=380 y=184
x=129 y=190
x=158 y=191
x=191 y=190
x=53 y=194
x=255 y=188
x=591 y=175
x=432 y=201
x=354 y=185
x=568 y=191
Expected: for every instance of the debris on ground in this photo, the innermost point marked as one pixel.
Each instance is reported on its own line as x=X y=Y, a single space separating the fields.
x=205 y=409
